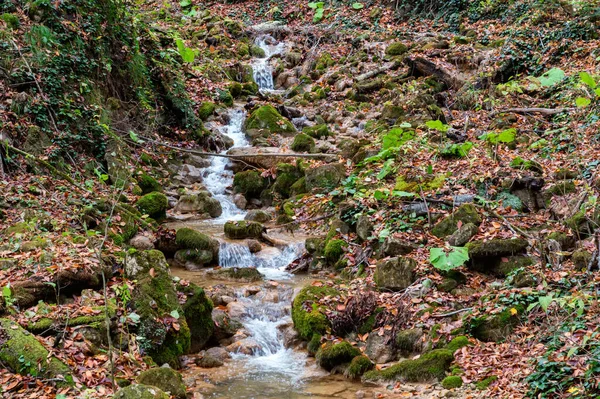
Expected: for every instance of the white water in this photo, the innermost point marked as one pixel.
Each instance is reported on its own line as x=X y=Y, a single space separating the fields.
x=271 y=262
x=263 y=72
x=217 y=178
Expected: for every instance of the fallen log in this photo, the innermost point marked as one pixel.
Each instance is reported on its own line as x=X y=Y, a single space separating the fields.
x=377 y=71
x=424 y=67
x=543 y=111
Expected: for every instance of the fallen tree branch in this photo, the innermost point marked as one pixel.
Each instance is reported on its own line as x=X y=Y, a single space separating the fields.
x=451 y=313
x=377 y=71
x=543 y=111
x=425 y=67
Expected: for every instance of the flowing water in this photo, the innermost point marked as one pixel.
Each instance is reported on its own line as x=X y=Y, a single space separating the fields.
x=263 y=72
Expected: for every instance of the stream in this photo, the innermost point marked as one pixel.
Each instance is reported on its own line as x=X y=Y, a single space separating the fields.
x=271 y=370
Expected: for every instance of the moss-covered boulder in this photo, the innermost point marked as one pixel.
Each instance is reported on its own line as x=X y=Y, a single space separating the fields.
x=396 y=48
x=332 y=355
x=303 y=143
x=431 y=365
x=496 y=328
x=409 y=341
x=325 y=177
x=334 y=250
x=164 y=378
x=308 y=315
x=267 y=119
x=358 y=366
x=458 y=342
x=465 y=214
x=24 y=354
x=250 y=183
x=197 y=309
x=463 y=235
x=243 y=229
x=196 y=247
x=317 y=131
x=452 y=381
x=206 y=110
x=140 y=391
x=498 y=256
x=395 y=274
x=581 y=259
x=161 y=335
x=287 y=175
x=148 y=184
x=202 y=203
x=154 y=205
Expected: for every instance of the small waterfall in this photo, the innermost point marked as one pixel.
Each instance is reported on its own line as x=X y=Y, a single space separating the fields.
x=217 y=178
x=271 y=261
x=263 y=72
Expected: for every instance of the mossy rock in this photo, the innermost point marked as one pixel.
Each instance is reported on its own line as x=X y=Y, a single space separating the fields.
x=35 y=244
x=358 y=366
x=533 y=166
x=190 y=239
x=308 y=316
x=247 y=274
x=565 y=174
x=581 y=259
x=324 y=61
x=303 y=143
x=140 y=391
x=565 y=241
x=317 y=131
x=267 y=118
x=299 y=187
x=250 y=183
x=243 y=229
x=496 y=247
x=431 y=365
x=235 y=89
x=314 y=344
x=466 y=213
x=391 y=113
x=202 y=203
x=332 y=355
x=496 y=328
x=485 y=383
x=560 y=189
x=206 y=110
x=580 y=225
x=451 y=382
x=409 y=341
x=18 y=228
x=164 y=378
x=396 y=48
x=154 y=205
x=257 y=51
x=148 y=184
x=23 y=353
x=325 y=177
x=154 y=298
x=426 y=183
x=334 y=250
x=458 y=342
x=395 y=274
x=287 y=175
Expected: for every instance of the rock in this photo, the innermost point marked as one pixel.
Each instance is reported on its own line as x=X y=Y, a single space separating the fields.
x=409 y=342
x=218 y=353
x=240 y=201
x=141 y=242
x=256 y=215
x=267 y=119
x=581 y=259
x=243 y=229
x=202 y=203
x=396 y=48
x=430 y=365
x=246 y=155
x=312 y=321
x=290 y=336
x=165 y=378
x=325 y=177
x=334 y=250
x=247 y=274
x=463 y=235
x=465 y=214
x=395 y=274
x=198 y=309
x=246 y=346
x=303 y=143
x=225 y=326
x=139 y=391
x=208 y=361
x=188 y=175
x=250 y=183
x=358 y=366
x=154 y=205
x=23 y=353
x=528 y=189
x=497 y=256
x=287 y=176
x=498 y=327
x=393 y=246
x=196 y=247
x=364 y=227
x=332 y=355
x=378 y=350
x=254 y=246
x=154 y=298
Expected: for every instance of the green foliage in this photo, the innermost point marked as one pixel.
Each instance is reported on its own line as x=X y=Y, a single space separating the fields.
x=485 y=383
x=358 y=366
x=358 y=6
x=456 y=150
x=437 y=125
x=153 y=204
x=334 y=250
x=552 y=77
x=506 y=137
x=319 y=10
x=451 y=382
x=448 y=258
x=308 y=315
x=187 y=54
x=396 y=138
x=332 y=355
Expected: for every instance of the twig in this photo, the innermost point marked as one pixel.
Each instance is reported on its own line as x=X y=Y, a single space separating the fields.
x=451 y=313
x=543 y=111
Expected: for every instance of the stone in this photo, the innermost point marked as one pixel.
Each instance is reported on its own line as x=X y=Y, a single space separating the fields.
x=498 y=256
x=395 y=274
x=140 y=391
x=268 y=119
x=463 y=235
x=141 y=242
x=201 y=203
x=378 y=350
x=465 y=214
x=188 y=175
x=218 y=353
x=332 y=355
x=325 y=177
x=198 y=309
x=225 y=325
x=242 y=229
x=237 y=310
x=246 y=155
x=393 y=246
x=246 y=346
x=240 y=201
x=497 y=327
x=290 y=336
x=364 y=227
x=154 y=205
x=254 y=246
x=257 y=215
x=208 y=361
x=165 y=378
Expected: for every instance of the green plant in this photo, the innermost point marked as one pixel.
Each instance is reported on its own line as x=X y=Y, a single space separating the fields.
x=358 y=6
x=9 y=299
x=319 y=10
x=506 y=137
x=448 y=258
x=456 y=150
x=588 y=81
x=187 y=54
x=437 y=125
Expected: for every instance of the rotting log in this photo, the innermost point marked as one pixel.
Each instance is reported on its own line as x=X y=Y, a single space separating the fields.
x=425 y=67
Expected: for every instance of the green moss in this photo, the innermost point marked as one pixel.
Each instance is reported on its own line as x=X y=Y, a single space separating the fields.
x=369 y=324
x=40 y=326
x=520 y=163
x=303 y=143
x=206 y=110
x=192 y=239
x=429 y=366
x=243 y=50
x=225 y=97
x=140 y=391
x=581 y=259
x=11 y=20
x=267 y=118
x=235 y=89
x=200 y=257
x=498 y=327
x=358 y=366
x=332 y=355
x=579 y=224
x=496 y=247
x=35 y=244
x=257 y=52
x=485 y=383
x=18 y=228
x=562 y=188
x=452 y=381
x=307 y=314
x=148 y=184
x=466 y=213
x=154 y=205
x=250 y=183
x=396 y=48
x=324 y=61
x=248 y=274
x=164 y=378
x=314 y=344
x=510 y=201
x=23 y=353
x=299 y=187
x=334 y=250
x=317 y=131
x=243 y=229
x=429 y=183
x=287 y=175
x=457 y=343
x=409 y=341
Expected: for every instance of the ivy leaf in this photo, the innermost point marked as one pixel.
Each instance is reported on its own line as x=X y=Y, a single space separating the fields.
x=545 y=302
x=379 y=195
x=185 y=3
x=388 y=167
x=175 y=314
x=552 y=77
x=437 y=125
x=445 y=260
x=358 y=6
x=582 y=102
x=587 y=79
x=396 y=138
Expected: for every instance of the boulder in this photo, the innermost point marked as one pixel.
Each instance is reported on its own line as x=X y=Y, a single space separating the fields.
x=463 y=235
x=164 y=378
x=208 y=362
x=246 y=346
x=188 y=175
x=141 y=242
x=408 y=341
x=196 y=247
x=498 y=256
x=267 y=119
x=431 y=365
x=395 y=274
x=379 y=349
x=254 y=246
x=243 y=229
x=202 y=203
x=257 y=215
x=154 y=205
x=247 y=274
x=218 y=353
x=496 y=328
x=248 y=155
x=240 y=201
x=287 y=176
x=250 y=183
x=393 y=246
x=22 y=352
x=465 y=214
x=310 y=320
x=139 y=391
x=332 y=355
x=325 y=177
x=358 y=366
x=198 y=309
x=364 y=227
x=225 y=326
x=396 y=48
x=303 y=143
